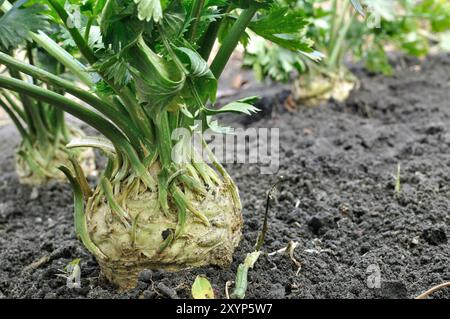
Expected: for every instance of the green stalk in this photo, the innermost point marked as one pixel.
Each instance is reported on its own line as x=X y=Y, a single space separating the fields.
x=232 y=40
x=333 y=27
x=164 y=139
x=45 y=113
x=28 y=114
x=81 y=228
x=206 y=43
x=113 y=204
x=137 y=113
x=336 y=47
x=14 y=105
x=88 y=29
x=77 y=37
x=36 y=120
x=63 y=57
x=89 y=117
x=63 y=103
x=23 y=133
x=197 y=9
x=104 y=107
x=33 y=164
x=128 y=98
x=56 y=51
x=135 y=110
x=31 y=59
x=61 y=127
x=79 y=175
x=41 y=108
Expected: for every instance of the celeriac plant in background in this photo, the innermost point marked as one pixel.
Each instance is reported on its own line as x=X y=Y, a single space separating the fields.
x=413 y=27
x=149 y=62
x=350 y=28
x=42 y=127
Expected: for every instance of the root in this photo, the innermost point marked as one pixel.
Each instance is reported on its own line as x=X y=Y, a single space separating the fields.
x=432 y=290
x=37 y=263
x=289 y=250
x=192 y=218
x=196 y=230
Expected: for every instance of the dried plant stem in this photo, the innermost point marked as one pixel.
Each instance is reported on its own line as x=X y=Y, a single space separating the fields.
x=432 y=290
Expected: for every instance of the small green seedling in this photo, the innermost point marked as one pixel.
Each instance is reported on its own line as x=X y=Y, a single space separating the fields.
x=241 y=282
x=72 y=273
x=398 y=186
x=242 y=274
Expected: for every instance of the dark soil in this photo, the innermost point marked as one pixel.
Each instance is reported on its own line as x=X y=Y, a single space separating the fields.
x=338 y=203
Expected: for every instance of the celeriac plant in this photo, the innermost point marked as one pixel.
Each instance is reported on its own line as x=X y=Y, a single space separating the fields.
x=414 y=27
x=340 y=29
x=321 y=74
x=42 y=127
x=151 y=77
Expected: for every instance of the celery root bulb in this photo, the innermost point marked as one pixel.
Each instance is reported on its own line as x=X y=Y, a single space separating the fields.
x=37 y=164
x=151 y=242
x=322 y=88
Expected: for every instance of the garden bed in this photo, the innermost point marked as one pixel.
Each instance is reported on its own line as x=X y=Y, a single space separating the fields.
x=338 y=203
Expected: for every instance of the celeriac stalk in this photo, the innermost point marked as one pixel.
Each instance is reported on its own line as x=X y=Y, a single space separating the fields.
x=231 y=41
x=125 y=94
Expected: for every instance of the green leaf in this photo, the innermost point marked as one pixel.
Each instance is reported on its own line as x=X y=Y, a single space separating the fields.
x=214 y=126
x=437 y=12
x=174 y=21
x=245 y=4
x=271 y=60
x=382 y=8
x=114 y=67
x=158 y=81
x=119 y=25
x=377 y=61
x=91 y=8
x=202 y=289
x=74 y=19
x=216 y=3
x=240 y=106
x=284 y=27
x=415 y=45
x=198 y=70
x=18 y=22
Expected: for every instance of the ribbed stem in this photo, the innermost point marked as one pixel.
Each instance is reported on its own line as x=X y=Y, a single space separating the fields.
x=91 y=118
x=231 y=41
x=197 y=9
x=104 y=107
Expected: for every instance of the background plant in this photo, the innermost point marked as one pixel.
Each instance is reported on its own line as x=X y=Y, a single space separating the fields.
x=340 y=31
x=42 y=127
